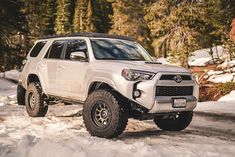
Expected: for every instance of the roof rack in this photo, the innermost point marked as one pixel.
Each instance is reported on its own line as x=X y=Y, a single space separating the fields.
x=88 y=34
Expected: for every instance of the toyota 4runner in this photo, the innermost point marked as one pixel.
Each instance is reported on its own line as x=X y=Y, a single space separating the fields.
x=112 y=76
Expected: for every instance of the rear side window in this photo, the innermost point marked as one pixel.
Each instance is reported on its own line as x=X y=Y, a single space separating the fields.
x=56 y=49
x=37 y=48
x=75 y=46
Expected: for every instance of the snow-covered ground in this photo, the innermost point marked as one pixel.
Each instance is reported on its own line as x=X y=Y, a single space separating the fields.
x=7 y=92
x=225 y=106
x=199 y=57
x=225 y=72
x=62 y=133
x=203 y=57
x=8 y=85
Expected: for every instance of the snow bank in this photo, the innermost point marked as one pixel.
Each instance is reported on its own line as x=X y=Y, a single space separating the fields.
x=7 y=92
x=221 y=107
x=225 y=74
x=224 y=106
x=200 y=57
x=227 y=64
x=229 y=97
x=8 y=87
x=222 y=78
x=12 y=75
x=203 y=57
x=213 y=72
x=199 y=62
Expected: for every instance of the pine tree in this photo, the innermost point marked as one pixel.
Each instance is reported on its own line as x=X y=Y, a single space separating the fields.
x=11 y=27
x=40 y=17
x=128 y=19
x=175 y=27
x=49 y=17
x=102 y=12
x=62 y=22
x=90 y=26
x=83 y=16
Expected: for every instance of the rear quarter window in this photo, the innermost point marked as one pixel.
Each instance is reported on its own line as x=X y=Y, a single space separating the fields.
x=37 y=48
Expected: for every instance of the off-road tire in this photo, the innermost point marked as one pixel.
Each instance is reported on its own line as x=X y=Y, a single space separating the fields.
x=118 y=116
x=20 y=95
x=174 y=124
x=39 y=109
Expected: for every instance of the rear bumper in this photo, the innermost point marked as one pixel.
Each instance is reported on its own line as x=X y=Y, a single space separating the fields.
x=163 y=104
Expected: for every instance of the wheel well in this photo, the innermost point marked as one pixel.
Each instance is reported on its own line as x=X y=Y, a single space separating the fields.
x=98 y=85
x=101 y=85
x=32 y=78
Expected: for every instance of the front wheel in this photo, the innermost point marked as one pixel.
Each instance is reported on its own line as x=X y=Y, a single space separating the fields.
x=34 y=101
x=103 y=115
x=177 y=122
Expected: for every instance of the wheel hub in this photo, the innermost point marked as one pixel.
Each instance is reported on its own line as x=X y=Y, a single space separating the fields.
x=101 y=114
x=32 y=101
x=104 y=114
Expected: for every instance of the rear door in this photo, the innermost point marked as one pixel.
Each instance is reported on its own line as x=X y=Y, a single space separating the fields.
x=72 y=73
x=49 y=66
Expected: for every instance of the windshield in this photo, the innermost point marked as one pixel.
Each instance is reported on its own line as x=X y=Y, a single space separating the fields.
x=113 y=49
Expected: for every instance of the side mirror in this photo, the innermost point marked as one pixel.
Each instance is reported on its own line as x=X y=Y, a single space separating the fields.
x=78 y=56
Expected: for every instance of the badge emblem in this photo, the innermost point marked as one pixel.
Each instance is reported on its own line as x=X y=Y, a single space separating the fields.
x=177 y=78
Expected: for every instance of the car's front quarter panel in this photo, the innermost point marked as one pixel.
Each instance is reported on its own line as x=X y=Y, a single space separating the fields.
x=109 y=74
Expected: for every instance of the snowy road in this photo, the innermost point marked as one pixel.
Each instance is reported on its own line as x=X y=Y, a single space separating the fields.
x=62 y=133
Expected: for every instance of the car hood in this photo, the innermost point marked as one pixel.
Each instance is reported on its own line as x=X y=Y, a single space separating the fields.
x=144 y=66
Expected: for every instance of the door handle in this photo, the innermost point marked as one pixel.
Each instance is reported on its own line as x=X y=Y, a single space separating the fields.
x=61 y=67
x=42 y=64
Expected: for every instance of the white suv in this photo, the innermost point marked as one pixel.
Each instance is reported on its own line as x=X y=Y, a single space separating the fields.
x=112 y=76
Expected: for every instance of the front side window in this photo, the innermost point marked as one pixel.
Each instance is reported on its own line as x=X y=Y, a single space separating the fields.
x=37 y=48
x=75 y=46
x=56 y=49
x=107 y=49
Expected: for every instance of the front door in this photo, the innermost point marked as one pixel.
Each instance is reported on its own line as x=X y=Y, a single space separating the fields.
x=72 y=73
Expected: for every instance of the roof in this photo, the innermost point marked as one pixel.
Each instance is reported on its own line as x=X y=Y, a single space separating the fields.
x=94 y=35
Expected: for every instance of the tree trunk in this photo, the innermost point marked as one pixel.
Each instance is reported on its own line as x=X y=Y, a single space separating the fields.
x=217 y=53
x=26 y=44
x=211 y=53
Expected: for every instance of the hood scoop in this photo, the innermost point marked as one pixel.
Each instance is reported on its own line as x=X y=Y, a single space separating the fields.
x=148 y=62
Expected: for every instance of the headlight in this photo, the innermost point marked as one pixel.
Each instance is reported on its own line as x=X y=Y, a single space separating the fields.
x=134 y=75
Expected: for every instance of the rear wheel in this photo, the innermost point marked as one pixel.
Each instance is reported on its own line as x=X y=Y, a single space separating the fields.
x=20 y=95
x=103 y=115
x=34 y=101
x=175 y=122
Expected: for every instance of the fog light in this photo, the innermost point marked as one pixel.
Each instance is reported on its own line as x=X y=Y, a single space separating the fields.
x=137 y=93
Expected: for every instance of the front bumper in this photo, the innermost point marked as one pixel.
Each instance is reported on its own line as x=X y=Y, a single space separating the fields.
x=163 y=104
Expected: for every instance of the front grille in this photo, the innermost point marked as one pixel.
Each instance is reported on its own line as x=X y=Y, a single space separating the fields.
x=171 y=77
x=174 y=90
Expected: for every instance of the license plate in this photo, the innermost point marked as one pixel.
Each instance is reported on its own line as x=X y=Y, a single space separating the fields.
x=179 y=103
